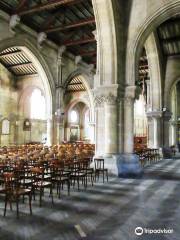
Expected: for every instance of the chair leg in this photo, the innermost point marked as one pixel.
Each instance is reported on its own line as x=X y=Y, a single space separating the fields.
x=51 y=192
x=68 y=185
x=40 y=197
x=17 y=206
x=30 y=207
x=6 y=200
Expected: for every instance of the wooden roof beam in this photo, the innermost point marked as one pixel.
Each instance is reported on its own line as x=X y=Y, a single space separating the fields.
x=79 y=41
x=85 y=53
x=45 y=6
x=9 y=54
x=170 y=40
x=26 y=64
x=72 y=25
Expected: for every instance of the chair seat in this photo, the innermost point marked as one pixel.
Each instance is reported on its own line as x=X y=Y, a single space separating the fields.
x=21 y=191
x=42 y=184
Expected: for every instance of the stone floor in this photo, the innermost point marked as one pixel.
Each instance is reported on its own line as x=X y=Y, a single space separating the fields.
x=106 y=211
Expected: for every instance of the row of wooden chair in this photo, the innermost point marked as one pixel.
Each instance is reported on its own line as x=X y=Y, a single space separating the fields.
x=27 y=178
x=148 y=156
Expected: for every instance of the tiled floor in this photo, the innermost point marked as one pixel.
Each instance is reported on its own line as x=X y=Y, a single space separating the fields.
x=106 y=211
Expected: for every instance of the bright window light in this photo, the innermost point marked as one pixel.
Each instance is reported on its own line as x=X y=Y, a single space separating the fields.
x=74 y=116
x=38 y=105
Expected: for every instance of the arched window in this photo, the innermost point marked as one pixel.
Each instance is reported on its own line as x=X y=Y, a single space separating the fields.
x=38 y=105
x=73 y=116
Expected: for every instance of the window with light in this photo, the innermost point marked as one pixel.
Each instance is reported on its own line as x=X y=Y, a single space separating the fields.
x=38 y=105
x=74 y=116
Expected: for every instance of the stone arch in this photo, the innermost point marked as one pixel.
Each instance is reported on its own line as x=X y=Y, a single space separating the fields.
x=24 y=43
x=153 y=55
x=86 y=81
x=136 y=43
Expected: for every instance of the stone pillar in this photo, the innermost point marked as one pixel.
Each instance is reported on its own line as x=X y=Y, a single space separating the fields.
x=120 y=126
x=50 y=133
x=149 y=104
x=59 y=113
x=100 y=136
x=127 y=162
x=128 y=125
x=92 y=126
x=154 y=129
x=173 y=133
x=111 y=126
x=166 y=125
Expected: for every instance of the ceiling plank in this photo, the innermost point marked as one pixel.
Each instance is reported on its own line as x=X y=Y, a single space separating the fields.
x=79 y=41
x=47 y=5
x=9 y=54
x=72 y=25
x=26 y=64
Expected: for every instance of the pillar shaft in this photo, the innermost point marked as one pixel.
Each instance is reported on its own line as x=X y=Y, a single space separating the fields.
x=110 y=128
x=128 y=125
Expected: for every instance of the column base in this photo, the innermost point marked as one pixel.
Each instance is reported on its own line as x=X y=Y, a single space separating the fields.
x=124 y=165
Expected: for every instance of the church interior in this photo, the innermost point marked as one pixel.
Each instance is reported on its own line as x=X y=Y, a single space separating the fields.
x=89 y=119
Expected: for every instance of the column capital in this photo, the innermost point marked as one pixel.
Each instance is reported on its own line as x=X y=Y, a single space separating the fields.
x=102 y=99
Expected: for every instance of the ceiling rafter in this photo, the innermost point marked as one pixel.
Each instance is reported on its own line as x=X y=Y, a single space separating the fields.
x=26 y=64
x=88 y=53
x=46 y=6
x=72 y=25
x=9 y=54
x=79 y=41
x=22 y=4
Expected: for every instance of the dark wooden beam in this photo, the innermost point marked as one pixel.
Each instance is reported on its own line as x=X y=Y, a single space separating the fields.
x=8 y=54
x=47 y=5
x=20 y=65
x=22 y=4
x=72 y=25
x=170 y=40
x=85 y=53
x=71 y=84
x=79 y=41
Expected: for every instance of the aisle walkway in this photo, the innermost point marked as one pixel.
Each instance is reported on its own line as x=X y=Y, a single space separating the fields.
x=109 y=211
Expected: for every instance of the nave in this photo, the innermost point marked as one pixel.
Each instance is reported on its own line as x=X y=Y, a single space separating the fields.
x=107 y=211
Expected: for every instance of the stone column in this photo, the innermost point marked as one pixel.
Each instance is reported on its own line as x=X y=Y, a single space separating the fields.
x=50 y=133
x=111 y=126
x=120 y=126
x=59 y=98
x=166 y=125
x=106 y=124
x=154 y=129
x=92 y=126
x=173 y=133
x=128 y=125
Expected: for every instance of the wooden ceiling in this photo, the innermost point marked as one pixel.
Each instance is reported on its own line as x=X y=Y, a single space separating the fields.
x=75 y=85
x=65 y=22
x=16 y=61
x=169 y=36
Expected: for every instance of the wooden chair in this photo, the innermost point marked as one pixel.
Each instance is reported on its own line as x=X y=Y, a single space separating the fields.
x=14 y=191
x=99 y=168
x=40 y=184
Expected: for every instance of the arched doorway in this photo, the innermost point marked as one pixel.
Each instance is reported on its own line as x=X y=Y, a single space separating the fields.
x=79 y=111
